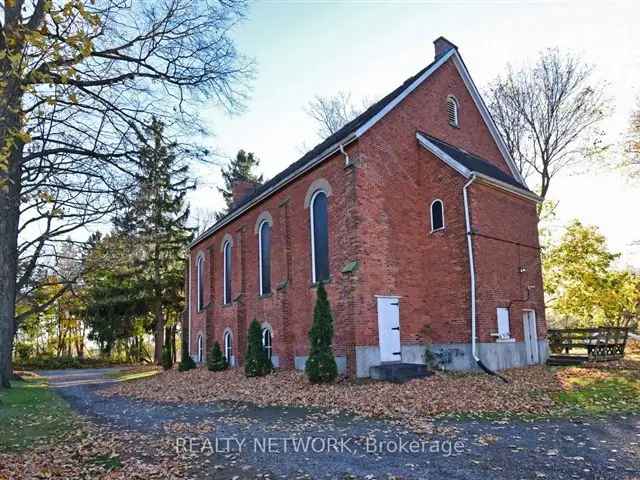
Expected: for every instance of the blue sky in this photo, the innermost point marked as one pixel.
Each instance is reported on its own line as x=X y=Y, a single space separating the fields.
x=367 y=48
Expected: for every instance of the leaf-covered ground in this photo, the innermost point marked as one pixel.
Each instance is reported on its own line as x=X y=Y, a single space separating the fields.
x=124 y=437
x=534 y=390
x=91 y=452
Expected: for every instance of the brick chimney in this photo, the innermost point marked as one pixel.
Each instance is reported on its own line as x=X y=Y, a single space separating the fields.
x=442 y=46
x=240 y=189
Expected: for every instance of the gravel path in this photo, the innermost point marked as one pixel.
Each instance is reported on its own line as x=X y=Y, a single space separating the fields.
x=226 y=438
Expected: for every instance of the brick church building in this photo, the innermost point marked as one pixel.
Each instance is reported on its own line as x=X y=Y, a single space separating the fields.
x=417 y=221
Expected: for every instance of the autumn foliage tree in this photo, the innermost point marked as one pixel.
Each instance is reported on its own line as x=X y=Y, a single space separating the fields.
x=78 y=81
x=583 y=286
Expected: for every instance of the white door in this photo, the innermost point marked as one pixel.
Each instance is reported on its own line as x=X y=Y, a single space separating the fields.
x=389 y=329
x=530 y=336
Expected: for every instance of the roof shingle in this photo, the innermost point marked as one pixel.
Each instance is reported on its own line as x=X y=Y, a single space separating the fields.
x=473 y=162
x=308 y=157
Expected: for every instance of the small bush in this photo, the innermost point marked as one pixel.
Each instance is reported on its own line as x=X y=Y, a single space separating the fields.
x=321 y=365
x=167 y=358
x=216 y=361
x=431 y=360
x=257 y=363
x=187 y=363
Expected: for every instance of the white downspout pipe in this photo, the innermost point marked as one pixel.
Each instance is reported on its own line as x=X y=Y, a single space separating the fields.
x=472 y=268
x=347 y=160
x=472 y=274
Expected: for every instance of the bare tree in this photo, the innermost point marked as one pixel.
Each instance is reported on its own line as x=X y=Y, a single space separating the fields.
x=202 y=218
x=333 y=112
x=549 y=113
x=78 y=82
x=633 y=143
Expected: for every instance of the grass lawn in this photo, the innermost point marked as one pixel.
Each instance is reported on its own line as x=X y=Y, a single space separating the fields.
x=30 y=414
x=596 y=392
x=134 y=373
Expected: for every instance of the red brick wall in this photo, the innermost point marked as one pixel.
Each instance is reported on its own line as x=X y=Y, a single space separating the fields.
x=379 y=216
x=511 y=222
x=293 y=295
x=398 y=180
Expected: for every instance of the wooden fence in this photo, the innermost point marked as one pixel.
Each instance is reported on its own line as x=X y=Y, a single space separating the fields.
x=599 y=344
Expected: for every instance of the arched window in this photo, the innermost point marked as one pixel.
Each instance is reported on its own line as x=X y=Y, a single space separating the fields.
x=227 y=272
x=200 y=282
x=200 y=349
x=267 y=342
x=319 y=237
x=437 y=215
x=228 y=346
x=264 y=256
x=452 y=111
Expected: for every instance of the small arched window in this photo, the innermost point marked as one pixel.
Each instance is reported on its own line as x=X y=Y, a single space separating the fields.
x=267 y=342
x=200 y=282
x=200 y=349
x=227 y=272
x=264 y=256
x=228 y=347
x=437 y=215
x=452 y=111
x=319 y=237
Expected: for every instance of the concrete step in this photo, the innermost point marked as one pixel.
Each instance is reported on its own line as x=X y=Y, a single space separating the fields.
x=563 y=360
x=399 y=372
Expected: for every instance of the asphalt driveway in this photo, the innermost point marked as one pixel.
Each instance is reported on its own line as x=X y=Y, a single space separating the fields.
x=281 y=442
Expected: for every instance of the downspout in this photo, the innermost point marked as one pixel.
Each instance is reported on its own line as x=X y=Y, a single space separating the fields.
x=472 y=275
x=347 y=160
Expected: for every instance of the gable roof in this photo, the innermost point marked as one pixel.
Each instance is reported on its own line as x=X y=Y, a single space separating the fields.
x=355 y=129
x=340 y=135
x=473 y=162
x=468 y=164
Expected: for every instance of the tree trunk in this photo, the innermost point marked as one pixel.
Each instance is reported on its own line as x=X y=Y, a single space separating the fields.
x=159 y=332
x=9 y=218
x=11 y=149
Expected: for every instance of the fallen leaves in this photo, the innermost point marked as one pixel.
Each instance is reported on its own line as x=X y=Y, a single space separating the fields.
x=528 y=391
x=94 y=452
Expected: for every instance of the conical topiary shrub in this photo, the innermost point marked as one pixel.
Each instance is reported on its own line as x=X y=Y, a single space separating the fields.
x=187 y=362
x=216 y=361
x=256 y=363
x=321 y=365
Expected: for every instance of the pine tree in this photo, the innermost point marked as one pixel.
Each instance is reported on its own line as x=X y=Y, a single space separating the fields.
x=216 y=361
x=321 y=365
x=257 y=363
x=240 y=168
x=155 y=217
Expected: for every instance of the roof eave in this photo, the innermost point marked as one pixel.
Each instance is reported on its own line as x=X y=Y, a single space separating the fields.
x=467 y=173
x=508 y=187
x=329 y=151
x=333 y=149
x=486 y=116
